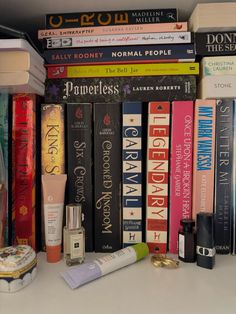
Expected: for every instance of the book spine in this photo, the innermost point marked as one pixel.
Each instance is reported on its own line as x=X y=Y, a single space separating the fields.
x=203 y=156
x=218 y=65
x=157 y=176
x=117 y=70
x=215 y=43
x=107 y=176
x=123 y=54
x=115 y=29
x=5 y=144
x=223 y=175
x=117 y=40
x=132 y=173
x=52 y=146
x=118 y=89
x=79 y=164
x=218 y=86
x=102 y=18
x=233 y=212
x=24 y=194
x=52 y=139
x=180 y=169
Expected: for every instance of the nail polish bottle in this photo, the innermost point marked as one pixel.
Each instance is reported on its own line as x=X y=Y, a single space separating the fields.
x=187 y=241
x=74 y=235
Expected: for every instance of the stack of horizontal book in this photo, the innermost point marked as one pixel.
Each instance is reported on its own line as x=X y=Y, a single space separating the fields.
x=215 y=38
x=21 y=67
x=111 y=63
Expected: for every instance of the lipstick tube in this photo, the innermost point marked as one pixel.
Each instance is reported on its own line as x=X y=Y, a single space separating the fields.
x=205 y=240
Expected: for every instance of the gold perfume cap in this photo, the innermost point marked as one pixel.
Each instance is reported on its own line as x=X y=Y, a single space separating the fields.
x=73 y=216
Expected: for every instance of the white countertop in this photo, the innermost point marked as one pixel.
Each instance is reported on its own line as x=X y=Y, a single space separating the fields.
x=135 y=289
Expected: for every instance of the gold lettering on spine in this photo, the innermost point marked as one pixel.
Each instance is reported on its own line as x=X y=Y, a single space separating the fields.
x=121 y=18
x=52 y=138
x=87 y=19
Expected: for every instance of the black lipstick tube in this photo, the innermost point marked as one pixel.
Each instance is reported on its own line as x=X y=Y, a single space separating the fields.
x=205 y=240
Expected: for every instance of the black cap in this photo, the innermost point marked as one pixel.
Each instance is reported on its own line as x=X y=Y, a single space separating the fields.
x=205 y=229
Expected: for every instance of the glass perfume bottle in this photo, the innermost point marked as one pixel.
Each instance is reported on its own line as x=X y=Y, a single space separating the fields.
x=187 y=241
x=74 y=235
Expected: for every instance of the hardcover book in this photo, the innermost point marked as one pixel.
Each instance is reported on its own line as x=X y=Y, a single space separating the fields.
x=157 y=176
x=221 y=65
x=117 y=40
x=52 y=146
x=114 y=29
x=114 y=70
x=208 y=17
x=107 y=176
x=118 y=89
x=52 y=139
x=180 y=168
x=217 y=86
x=223 y=174
x=24 y=169
x=102 y=18
x=215 y=43
x=79 y=165
x=132 y=151
x=123 y=54
x=203 y=156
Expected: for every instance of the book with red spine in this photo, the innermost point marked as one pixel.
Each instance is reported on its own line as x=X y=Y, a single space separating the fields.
x=24 y=169
x=180 y=168
x=157 y=176
x=203 y=156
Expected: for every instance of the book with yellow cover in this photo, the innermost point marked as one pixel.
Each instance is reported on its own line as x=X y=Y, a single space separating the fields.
x=114 y=70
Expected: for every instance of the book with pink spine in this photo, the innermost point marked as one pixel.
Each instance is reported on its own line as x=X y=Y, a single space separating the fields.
x=180 y=168
x=157 y=176
x=203 y=156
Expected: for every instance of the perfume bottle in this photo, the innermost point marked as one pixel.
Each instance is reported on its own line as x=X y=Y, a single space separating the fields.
x=74 y=235
x=187 y=241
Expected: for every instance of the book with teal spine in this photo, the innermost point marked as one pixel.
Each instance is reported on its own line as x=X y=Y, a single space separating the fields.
x=4 y=142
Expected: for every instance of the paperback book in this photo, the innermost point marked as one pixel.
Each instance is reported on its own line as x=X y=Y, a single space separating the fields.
x=114 y=70
x=215 y=43
x=114 y=29
x=132 y=173
x=181 y=150
x=121 y=54
x=117 y=40
x=203 y=156
x=122 y=17
x=107 y=176
x=79 y=165
x=118 y=89
x=157 y=176
x=223 y=174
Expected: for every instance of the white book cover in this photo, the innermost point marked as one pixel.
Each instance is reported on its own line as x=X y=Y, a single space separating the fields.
x=217 y=86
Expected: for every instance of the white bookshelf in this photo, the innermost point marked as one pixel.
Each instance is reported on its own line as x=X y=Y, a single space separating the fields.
x=136 y=289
